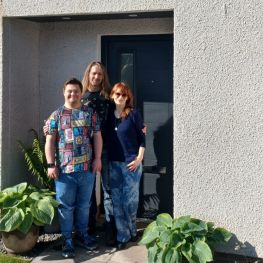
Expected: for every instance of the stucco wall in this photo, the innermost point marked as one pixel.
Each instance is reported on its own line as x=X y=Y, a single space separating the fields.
x=218 y=114
x=20 y=105
x=218 y=103
x=67 y=48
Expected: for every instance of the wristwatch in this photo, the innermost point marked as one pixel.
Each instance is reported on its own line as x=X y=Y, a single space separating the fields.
x=50 y=165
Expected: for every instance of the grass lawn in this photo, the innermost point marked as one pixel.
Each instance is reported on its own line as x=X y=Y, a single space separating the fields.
x=11 y=259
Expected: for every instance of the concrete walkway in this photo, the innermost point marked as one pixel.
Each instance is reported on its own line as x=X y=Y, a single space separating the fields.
x=132 y=254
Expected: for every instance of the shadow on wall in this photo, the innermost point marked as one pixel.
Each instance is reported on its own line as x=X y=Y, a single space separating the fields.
x=162 y=200
x=234 y=246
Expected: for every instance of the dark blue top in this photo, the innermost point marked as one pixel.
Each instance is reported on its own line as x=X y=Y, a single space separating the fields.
x=125 y=136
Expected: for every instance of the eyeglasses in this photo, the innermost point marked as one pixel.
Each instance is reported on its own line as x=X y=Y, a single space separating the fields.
x=120 y=94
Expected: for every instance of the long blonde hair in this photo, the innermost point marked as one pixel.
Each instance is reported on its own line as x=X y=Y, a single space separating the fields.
x=105 y=84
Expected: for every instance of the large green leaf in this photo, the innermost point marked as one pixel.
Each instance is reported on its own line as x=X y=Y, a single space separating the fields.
x=202 y=251
x=220 y=235
x=19 y=188
x=150 y=233
x=165 y=236
x=192 y=227
x=173 y=256
x=161 y=255
x=13 y=200
x=149 y=237
x=52 y=201
x=152 y=254
x=187 y=251
x=164 y=220
x=2 y=198
x=43 y=211
x=180 y=222
x=36 y=196
x=177 y=240
x=12 y=220
x=26 y=224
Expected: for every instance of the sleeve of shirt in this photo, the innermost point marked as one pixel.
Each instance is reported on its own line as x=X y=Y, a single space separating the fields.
x=139 y=124
x=52 y=123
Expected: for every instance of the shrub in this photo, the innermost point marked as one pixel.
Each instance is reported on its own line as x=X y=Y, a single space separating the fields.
x=172 y=240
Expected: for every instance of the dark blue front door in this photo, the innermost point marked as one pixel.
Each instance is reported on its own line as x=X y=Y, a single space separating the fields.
x=146 y=64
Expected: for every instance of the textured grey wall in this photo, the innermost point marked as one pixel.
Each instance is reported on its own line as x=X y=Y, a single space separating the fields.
x=20 y=101
x=218 y=99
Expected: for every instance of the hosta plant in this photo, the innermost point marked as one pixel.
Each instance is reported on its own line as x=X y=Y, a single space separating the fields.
x=171 y=240
x=24 y=205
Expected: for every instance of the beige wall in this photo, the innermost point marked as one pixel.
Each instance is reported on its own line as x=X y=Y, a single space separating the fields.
x=66 y=48
x=20 y=94
x=218 y=97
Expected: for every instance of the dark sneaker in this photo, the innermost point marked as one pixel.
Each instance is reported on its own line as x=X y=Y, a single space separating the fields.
x=121 y=245
x=86 y=241
x=134 y=238
x=68 y=250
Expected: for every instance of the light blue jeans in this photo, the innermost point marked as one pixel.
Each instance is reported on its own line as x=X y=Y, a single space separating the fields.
x=105 y=182
x=73 y=192
x=125 y=197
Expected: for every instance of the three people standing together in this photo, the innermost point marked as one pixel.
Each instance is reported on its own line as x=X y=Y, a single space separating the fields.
x=71 y=130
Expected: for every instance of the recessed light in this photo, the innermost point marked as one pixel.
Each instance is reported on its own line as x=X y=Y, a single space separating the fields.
x=66 y=18
x=132 y=15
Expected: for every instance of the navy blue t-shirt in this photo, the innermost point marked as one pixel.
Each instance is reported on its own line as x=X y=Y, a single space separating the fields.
x=125 y=136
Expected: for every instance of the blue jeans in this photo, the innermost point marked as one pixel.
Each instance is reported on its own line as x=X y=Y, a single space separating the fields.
x=73 y=192
x=125 y=197
x=105 y=182
x=107 y=198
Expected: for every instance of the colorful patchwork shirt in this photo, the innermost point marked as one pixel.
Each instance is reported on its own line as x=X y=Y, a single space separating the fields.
x=73 y=129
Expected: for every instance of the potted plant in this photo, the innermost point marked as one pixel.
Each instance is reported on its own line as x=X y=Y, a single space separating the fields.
x=182 y=239
x=24 y=208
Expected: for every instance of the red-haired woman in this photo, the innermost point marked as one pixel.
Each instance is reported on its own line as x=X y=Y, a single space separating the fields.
x=126 y=145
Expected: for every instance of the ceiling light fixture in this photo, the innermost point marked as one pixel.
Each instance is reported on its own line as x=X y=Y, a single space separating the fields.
x=66 y=18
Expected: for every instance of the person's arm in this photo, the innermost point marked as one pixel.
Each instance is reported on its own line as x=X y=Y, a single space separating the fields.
x=138 y=122
x=45 y=129
x=132 y=166
x=50 y=155
x=97 y=144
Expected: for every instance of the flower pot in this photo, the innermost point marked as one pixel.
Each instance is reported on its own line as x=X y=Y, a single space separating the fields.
x=17 y=242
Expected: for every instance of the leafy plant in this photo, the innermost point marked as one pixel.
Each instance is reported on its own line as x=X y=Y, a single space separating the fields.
x=36 y=161
x=171 y=240
x=23 y=205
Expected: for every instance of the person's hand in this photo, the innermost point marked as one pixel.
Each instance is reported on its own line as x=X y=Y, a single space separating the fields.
x=45 y=129
x=96 y=165
x=144 y=129
x=132 y=166
x=52 y=172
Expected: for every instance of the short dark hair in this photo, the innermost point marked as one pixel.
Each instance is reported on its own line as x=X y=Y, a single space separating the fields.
x=74 y=81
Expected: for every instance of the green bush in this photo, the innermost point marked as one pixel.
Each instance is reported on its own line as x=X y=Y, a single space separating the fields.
x=23 y=205
x=171 y=240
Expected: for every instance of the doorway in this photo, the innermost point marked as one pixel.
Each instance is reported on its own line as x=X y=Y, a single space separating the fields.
x=145 y=63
